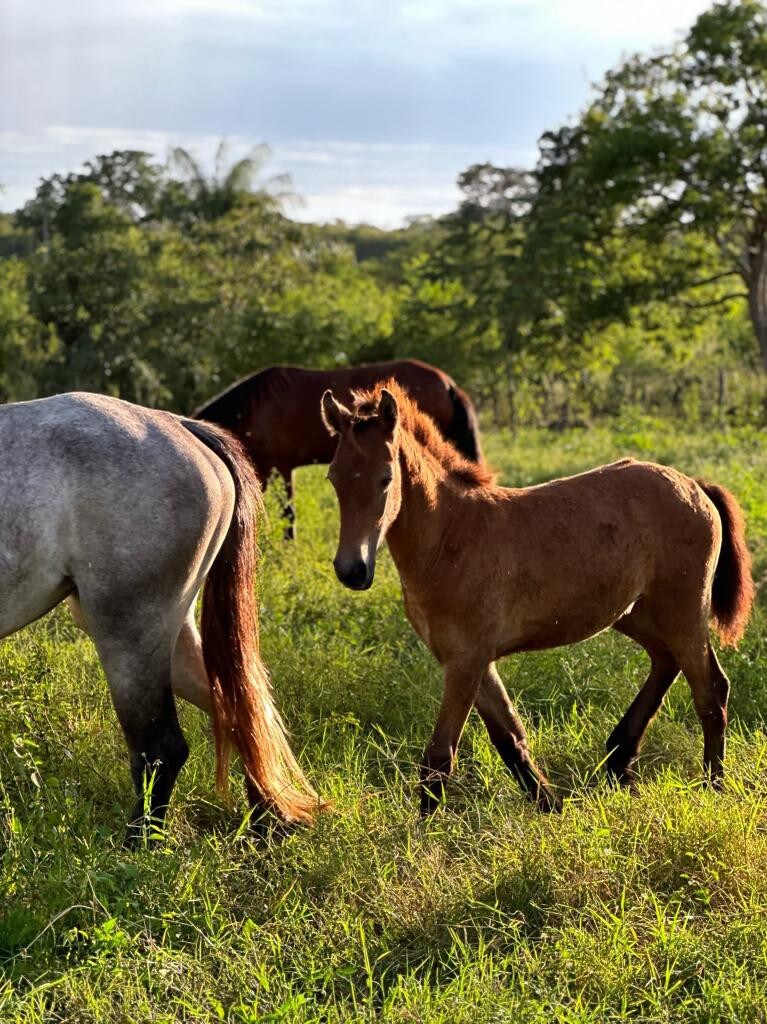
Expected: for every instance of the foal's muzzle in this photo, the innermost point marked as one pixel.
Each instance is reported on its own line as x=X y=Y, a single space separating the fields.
x=356 y=575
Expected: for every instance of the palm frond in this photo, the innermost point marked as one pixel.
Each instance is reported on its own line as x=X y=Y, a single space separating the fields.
x=182 y=160
x=244 y=171
x=216 y=193
x=220 y=161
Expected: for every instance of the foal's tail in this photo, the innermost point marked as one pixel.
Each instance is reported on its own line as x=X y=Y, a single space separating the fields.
x=463 y=431
x=243 y=707
x=732 y=594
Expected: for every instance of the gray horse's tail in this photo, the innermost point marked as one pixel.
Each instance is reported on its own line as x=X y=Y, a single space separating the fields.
x=244 y=712
x=463 y=431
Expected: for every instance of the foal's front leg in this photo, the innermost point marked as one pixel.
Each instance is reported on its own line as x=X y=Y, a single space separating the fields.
x=508 y=735
x=460 y=690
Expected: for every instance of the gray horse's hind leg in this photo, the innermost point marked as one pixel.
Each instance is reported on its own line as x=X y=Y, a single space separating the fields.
x=77 y=613
x=139 y=679
x=136 y=653
x=23 y=600
x=189 y=678
x=188 y=675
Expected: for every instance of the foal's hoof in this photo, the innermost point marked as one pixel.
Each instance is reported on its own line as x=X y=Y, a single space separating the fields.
x=620 y=770
x=432 y=789
x=133 y=839
x=428 y=805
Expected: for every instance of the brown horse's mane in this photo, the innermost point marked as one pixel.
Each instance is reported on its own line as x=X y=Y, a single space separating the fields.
x=229 y=406
x=420 y=439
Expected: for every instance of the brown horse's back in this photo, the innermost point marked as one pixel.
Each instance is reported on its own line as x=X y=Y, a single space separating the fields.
x=276 y=412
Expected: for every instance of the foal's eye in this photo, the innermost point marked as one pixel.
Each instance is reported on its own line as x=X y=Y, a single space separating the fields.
x=385 y=482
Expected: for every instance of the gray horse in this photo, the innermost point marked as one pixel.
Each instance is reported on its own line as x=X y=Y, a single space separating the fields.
x=124 y=512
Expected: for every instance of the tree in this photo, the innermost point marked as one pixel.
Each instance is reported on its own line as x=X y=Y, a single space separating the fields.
x=673 y=152
x=89 y=287
x=26 y=345
x=126 y=180
x=208 y=197
x=484 y=242
x=483 y=288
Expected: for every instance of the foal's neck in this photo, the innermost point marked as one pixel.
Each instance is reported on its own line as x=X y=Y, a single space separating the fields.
x=417 y=535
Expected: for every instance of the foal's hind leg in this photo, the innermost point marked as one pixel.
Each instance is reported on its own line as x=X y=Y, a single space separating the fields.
x=508 y=735
x=626 y=738
x=710 y=689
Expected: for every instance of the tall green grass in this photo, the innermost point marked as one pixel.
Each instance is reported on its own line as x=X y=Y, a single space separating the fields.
x=648 y=908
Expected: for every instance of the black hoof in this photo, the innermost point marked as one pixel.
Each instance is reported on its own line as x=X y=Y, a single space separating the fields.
x=141 y=833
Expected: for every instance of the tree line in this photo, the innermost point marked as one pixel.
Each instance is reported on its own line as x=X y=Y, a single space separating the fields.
x=626 y=270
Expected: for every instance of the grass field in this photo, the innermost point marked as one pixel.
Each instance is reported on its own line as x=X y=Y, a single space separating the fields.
x=646 y=908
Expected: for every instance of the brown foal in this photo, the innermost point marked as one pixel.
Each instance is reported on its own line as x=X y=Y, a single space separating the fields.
x=487 y=571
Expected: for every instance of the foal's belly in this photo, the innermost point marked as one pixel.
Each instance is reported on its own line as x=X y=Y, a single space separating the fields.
x=558 y=623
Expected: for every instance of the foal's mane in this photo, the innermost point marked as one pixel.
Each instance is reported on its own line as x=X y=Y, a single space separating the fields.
x=419 y=435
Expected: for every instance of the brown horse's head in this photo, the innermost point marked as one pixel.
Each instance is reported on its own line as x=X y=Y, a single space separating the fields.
x=366 y=475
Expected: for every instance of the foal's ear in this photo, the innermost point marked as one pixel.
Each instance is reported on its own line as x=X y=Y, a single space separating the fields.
x=334 y=415
x=387 y=410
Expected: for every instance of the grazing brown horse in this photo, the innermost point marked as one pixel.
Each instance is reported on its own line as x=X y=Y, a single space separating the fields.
x=126 y=512
x=276 y=413
x=487 y=571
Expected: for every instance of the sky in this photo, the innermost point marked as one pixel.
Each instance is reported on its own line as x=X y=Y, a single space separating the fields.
x=372 y=106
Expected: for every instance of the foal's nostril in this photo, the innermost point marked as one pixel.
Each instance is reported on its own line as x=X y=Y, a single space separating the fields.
x=354 y=574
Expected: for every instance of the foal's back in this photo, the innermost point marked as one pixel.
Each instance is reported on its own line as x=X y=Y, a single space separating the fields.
x=560 y=561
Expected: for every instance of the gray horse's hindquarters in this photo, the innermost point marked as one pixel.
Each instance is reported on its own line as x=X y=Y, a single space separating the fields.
x=101 y=496
x=128 y=508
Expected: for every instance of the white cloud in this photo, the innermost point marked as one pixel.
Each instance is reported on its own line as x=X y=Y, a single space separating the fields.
x=378 y=183
x=614 y=20
x=409 y=92
x=381 y=183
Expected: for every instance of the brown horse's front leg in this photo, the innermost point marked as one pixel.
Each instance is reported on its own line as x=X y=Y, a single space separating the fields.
x=509 y=738
x=458 y=695
x=289 y=509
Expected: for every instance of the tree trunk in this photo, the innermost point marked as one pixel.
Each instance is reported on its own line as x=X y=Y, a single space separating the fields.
x=721 y=391
x=511 y=397
x=757 y=294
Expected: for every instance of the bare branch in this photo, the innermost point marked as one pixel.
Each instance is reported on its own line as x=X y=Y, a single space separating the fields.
x=715 y=302
x=713 y=278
